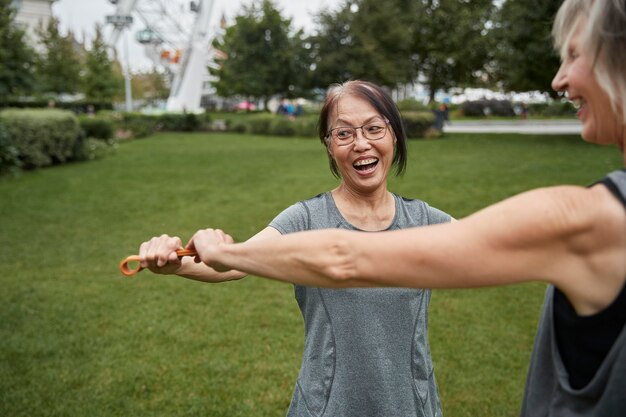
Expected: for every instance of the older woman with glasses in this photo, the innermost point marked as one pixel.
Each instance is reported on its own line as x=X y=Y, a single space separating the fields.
x=572 y=238
x=366 y=351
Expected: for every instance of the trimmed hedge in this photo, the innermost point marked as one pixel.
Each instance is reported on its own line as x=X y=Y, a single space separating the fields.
x=481 y=108
x=9 y=156
x=97 y=127
x=259 y=124
x=42 y=137
x=417 y=123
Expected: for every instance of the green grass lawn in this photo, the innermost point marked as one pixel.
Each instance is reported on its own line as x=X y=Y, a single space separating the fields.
x=78 y=339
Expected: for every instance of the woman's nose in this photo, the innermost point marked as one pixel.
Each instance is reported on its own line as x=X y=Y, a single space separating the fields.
x=359 y=139
x=559 y=82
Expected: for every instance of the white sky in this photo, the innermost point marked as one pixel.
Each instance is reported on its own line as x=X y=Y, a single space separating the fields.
x=81 y=16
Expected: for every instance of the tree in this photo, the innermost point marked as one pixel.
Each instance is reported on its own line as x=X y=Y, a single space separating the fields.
x=17 y=59
x=450 y=43
x=150 y=86
x=261 y=54
x=59 y=66
x=525 y=59
x=100 y=83
x=365 y=39
x=332 y=47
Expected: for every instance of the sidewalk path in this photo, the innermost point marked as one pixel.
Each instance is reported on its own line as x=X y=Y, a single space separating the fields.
x=541 y=127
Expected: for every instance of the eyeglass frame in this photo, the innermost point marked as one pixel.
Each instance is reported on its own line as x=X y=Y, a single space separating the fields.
x=354 y=134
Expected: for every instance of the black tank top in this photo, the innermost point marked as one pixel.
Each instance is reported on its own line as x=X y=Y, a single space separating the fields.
x=584 y=341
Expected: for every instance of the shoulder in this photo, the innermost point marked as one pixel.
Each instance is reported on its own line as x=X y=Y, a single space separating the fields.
x=421 y=212
x=297 y=217
x=587 y=231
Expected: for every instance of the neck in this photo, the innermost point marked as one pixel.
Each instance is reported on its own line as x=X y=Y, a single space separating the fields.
x=366 y=211
x=357 y=198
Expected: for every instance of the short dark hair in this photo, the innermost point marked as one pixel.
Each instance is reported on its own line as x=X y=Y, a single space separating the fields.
x=381 y=101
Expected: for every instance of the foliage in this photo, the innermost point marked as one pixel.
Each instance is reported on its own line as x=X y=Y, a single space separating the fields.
x=450 y=43
x=88 y=149
x=487 y=108
x=16 y=57
x=186 y=122
x=352 y=44
x=306 y=127
x=555 y=108
x=151 y=86
x=259 y=124
x=524 y=56
x=59 y=65
x=97 y=127
x=100 y=83
x=416 y=124
x=9 y=156
x=282 y=126
x=138 y=125
x=262 y=57
x=412 y=105
x=42 y=137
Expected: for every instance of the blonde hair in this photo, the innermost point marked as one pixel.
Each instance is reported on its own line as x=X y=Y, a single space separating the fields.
x=604 y=36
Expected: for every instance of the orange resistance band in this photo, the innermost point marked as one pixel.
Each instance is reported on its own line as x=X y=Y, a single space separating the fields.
x=124 y=268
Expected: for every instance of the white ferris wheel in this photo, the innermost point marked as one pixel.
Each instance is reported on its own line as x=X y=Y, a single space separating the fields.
x=175 y=35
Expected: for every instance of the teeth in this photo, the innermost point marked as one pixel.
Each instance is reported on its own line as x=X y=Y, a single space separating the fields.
x=578 y=103
x=365 y=162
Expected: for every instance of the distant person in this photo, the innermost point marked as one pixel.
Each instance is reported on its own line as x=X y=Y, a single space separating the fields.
x=572 y=238
x=282 y=108
x=524 y=111
x=366 y=351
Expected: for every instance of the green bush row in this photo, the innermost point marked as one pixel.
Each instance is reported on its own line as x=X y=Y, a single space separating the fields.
x=137 y=125
x=34 y=138
x=416 y=123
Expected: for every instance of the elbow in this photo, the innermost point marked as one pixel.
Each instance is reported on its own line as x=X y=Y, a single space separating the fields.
x=342 y=265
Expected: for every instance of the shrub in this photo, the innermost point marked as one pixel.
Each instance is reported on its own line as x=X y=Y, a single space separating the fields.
x=553 y=108
x=172 y=122
x=42 y=137
x=412 y=105
x=9 y=157
x=306 y=126
x=282 y=126
x=97 y=127
x=91 y=148
x=259 y=124
x=481 y=108
x=417 y=123
x=139 y=125
x=238 y=126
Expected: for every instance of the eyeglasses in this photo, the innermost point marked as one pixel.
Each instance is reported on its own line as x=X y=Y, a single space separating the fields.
x=345 y=135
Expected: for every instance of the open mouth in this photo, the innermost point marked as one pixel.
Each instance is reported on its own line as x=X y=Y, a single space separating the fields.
x=364 y=165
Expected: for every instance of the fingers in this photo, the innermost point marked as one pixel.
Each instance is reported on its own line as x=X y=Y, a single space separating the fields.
x=159 y=251
x=205 y=242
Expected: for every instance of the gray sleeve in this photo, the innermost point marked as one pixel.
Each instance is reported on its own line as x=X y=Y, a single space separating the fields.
x=294 y=218
x=436 y=216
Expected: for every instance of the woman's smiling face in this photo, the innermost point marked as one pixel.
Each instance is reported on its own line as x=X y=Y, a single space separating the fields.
x=600 y=122
x=363 y=164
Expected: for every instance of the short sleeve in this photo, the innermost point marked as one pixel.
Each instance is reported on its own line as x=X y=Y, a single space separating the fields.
x=293 y=219
x=436 y=216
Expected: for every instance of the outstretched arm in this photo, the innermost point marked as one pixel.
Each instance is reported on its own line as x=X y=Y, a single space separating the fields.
x=569 y=236
x=159 y=255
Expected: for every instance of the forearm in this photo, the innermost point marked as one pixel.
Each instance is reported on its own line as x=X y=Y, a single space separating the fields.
x=201 y=272
x=314 y=258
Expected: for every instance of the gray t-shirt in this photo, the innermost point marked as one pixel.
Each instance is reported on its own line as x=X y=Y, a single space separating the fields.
x=366 y=350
